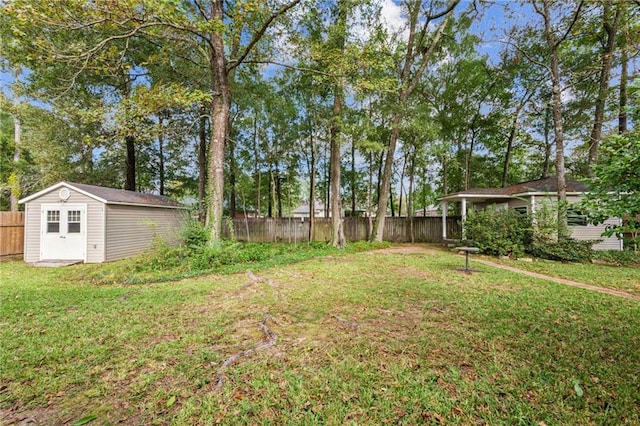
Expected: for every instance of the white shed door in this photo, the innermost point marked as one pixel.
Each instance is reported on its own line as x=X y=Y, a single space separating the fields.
x=64 y=232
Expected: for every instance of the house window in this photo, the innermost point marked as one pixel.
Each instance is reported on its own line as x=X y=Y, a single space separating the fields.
x=576 y=218
x=53 y=221
x=521 y=210
x=73 y=221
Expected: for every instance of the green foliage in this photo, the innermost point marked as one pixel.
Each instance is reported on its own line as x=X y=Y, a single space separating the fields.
x=614 y=190
x=499 y=232
x=196 y=256
x=618 y=257
x=564 y=250
x=546 y=224
x=194 y=235
x=615 y=187
x=159 y=256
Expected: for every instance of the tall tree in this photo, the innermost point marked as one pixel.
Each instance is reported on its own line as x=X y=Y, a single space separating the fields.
x=338 y=39
x=610 y=26
x=224 y=34
x=418 y=51
x=554 y=38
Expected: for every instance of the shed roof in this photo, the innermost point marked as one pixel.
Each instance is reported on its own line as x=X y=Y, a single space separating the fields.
x=111 y=195
x=540 y=186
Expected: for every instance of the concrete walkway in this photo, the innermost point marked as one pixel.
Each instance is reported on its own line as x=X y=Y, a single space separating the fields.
x=559 y=280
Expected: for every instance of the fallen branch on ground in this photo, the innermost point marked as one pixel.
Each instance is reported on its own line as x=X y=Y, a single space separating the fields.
x=254 y=279
x=271 y=336
x=346 y=321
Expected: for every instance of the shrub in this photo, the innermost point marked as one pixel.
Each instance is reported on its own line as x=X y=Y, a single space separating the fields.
x=195 y=235
x=501 y=232
x=159 y=255
x=565 y=250
x=618 y=257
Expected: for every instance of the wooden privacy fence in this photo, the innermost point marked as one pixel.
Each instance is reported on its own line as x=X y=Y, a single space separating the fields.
x=11 y=234
x=396 y=229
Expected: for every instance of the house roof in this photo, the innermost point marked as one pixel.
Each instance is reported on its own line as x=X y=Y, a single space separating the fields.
x=305 y=207
x=534 y=187
x=110 y=195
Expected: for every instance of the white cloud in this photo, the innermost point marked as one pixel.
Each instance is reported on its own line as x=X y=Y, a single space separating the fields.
x=392 y=17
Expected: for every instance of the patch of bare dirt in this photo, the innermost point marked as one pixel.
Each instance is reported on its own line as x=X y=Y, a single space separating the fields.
x=404 y=249
x=17 y=416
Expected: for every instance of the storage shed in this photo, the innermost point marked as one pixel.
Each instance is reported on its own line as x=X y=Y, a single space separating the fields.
x=93 y=224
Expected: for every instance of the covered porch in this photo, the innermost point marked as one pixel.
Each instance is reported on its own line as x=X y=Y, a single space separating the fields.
x=476 y=198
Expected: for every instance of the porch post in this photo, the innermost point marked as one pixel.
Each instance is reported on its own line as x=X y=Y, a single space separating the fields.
x=444 y=220
x=533 y=209
x=464 y=217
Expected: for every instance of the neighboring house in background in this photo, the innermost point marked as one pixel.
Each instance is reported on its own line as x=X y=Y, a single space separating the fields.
x=304 y=211
x=526 y=197
x=93 y=224
x=429 y=211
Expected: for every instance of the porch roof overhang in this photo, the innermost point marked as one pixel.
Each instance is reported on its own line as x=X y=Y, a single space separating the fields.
x=478 y=198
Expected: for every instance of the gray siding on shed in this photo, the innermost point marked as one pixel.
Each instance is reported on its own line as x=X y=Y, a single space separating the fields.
x=95 y=225
x=130 y=229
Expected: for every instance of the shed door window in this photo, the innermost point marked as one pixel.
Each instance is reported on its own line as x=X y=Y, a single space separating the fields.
x=73 y=221
x=53 y=221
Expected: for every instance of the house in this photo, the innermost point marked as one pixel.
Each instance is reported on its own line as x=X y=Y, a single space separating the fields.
x=304 y=211
x=525 y=197
x=93 y=224
x=427 y=211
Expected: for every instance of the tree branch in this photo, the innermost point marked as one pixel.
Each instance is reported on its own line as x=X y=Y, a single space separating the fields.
x=233 y=63
x=573 y=22
x=293 y=67
x=444 y=12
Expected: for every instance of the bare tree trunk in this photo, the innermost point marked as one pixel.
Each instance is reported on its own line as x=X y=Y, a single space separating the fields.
x=467 y=162
x=546 y=166
x=232 y=178
x=409 y=77
x=611 y=29
x=445 y=179
x=202 y=165
x=511 y=138
x=271 y=193
x=370 y=197
x=130 y=163
x=220 y=108
x=353 y=178
x=161 y=176
x=327 y=192
x=412 y=167
x=507 y=155
x=256 y=167
x=554 y=70
x=15 y=175
x=312 y=189
x=402 y=173
x=558 y=134
x=624 y=78
x=278 y=190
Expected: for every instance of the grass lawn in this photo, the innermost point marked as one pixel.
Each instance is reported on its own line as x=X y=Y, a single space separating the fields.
x=363 y=338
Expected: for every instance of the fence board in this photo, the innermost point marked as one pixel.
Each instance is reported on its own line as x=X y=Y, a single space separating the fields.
x=11 y=233
x=291 y=230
